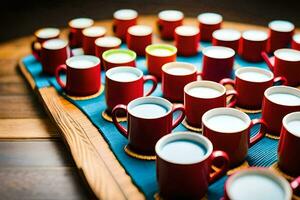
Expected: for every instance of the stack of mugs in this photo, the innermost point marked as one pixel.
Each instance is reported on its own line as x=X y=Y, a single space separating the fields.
x=184 y=159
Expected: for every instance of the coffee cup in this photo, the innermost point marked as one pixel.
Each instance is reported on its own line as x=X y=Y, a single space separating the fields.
x=157 y=55
x=184 y=164
x=124 y=84
x=118 y=57
x=82 y=75
x=226 y=38
x=289 y=144
x=76 y=27
x=296 y=42
x=208 y=23
x=280 y=34
x=278 y=101
x=138 y=38
x=187 y=40
x=54 y=52
x=201 y=96
x=175 y=75
x=89 y=36
x=258 y=183
x=168 y=21
x=252 y=43
x=229 y=130
x=41 y=36
x=285 y=63
x=252 y=79
x=149 y=118
x=217 y=63
x=123 y=19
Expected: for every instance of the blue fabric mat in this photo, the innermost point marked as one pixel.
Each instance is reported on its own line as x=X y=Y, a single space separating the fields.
x=143 y=174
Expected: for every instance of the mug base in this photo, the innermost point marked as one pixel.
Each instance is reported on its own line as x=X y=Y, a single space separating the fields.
x=273 y=137
x=248 y=111
x=190 y=127
x=137 y=155
x=107 y=116
x=76 y=98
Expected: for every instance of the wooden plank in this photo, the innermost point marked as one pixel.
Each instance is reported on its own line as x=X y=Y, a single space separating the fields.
x=42 y=183
x=27 y=128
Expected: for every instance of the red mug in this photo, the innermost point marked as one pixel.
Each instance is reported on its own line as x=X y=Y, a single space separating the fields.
x=289 y=144
x=168 y=21
x=138 y=38
x=208 y=23
x=280 y=35
x=226 y=38
x=229 y=130
x=252 y=79
x=118 y=57
x=278 y=101
x=89 y=37
x=184 y=165
x=201 y=96
x=123 y=19
x=217 y=63
x=82 y=75
x=124 y=84
x=187 y=40
x=252 y=43
x=149 y=119
x=75 y=34
x=106 y=43
x=296 y=42
x=259 y=183
x=285 y=63
x=41 y=36
x=175 y=75
x=157 y=55
x=54 y=52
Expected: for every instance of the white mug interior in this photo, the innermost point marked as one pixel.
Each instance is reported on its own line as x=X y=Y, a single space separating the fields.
x=108 y=41
x=210 y=18
x=296 y=38
x=82 y=62
x=227 y=35
x=46 y=33
x=125 y=14
x=186 y=30
x=140 y=30
x=282 y=90
x=281 y=26
x=290 y=55
x=170 y=15
x=207 y=84
x=255 y=35
x=122 y=70
x=218 y=52
x=187 y=68
x=94 y=31
x=265 y=72
x=55 y=44
x=293 y=117
x=81 y=23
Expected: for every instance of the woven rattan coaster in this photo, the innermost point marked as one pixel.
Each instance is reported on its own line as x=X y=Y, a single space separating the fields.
x=277 y=170
x=105 y=115
x=274 y=137
x=87 y=97
x=158 y=197
x=186 y=125
x=244 y=165
x=133 y=154
x=248 y=111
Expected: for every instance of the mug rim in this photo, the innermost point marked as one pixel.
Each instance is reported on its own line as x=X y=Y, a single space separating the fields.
x=148 y=28
x=262 y=171
x=232 y=52
x=226 y=111
x=101 y=29
x=200 y=16
x=288 y=89
x=111 y=71
x=291 y=28
x=89 y=21
x=265 y=38
x=162 y=102
x=116 y=39
x=131 y=53
x=192 y=84
x=171 y=48
x=217 y=37
x=47 y=28
x=169 y=65
x=95 y=59
x=289 y=117
x=172 y=11
x=55 y=39
x=133 y=12
x=278 y=51
x=256 y=69
x=187 y=135
x=296 y=38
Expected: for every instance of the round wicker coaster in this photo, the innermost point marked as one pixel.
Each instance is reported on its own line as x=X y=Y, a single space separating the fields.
x=108 y=117
x=274 y=137
x=186 y=125
x=133 y=154
x=248 y=111
x=298 y=87
x=158 y=197
x=87 y=97
x=244 y=165
x=275 y=168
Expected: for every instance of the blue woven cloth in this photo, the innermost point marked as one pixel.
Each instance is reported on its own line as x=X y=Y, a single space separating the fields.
x=143 y=174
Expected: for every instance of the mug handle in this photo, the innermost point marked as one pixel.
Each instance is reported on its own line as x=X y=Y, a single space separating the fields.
x=178 y=107
x=159 y=26
x=114 y=28
x=59 y=69
x=258 y=136
x=120 y=128
x=295 y=184
x=280 y=79
x=266 y=58
x=233 y=100
x=227 y=81
x=35 y=52
x=219 y=155
x=154 y=83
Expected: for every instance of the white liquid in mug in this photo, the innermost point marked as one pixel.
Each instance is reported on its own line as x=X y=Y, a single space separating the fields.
x=183 y=151
x=55 y=44
x=226 y=123
x=124 y=76
x=285 y=99
x=47 y=33
x=81 y=63
x=108 y=41
x=294 y=127
x=258 y=187
x=119 y=58
x=149 y=111
x=179 y=71
x=204 y=92
x=254 y=76
x=161 y=52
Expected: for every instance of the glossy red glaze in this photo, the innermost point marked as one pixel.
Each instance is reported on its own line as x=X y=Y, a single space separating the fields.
x=138 y=44
x=167 y=28
x=99 y=51
x=295 y=45
x=154 y=63
x=187 y=45
x=120 y=27
x=36 y=52
x=75 y=37
x=251 y=50
x=206 y=31
x=278 y=40
x=231 y=44
x=88 y=44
